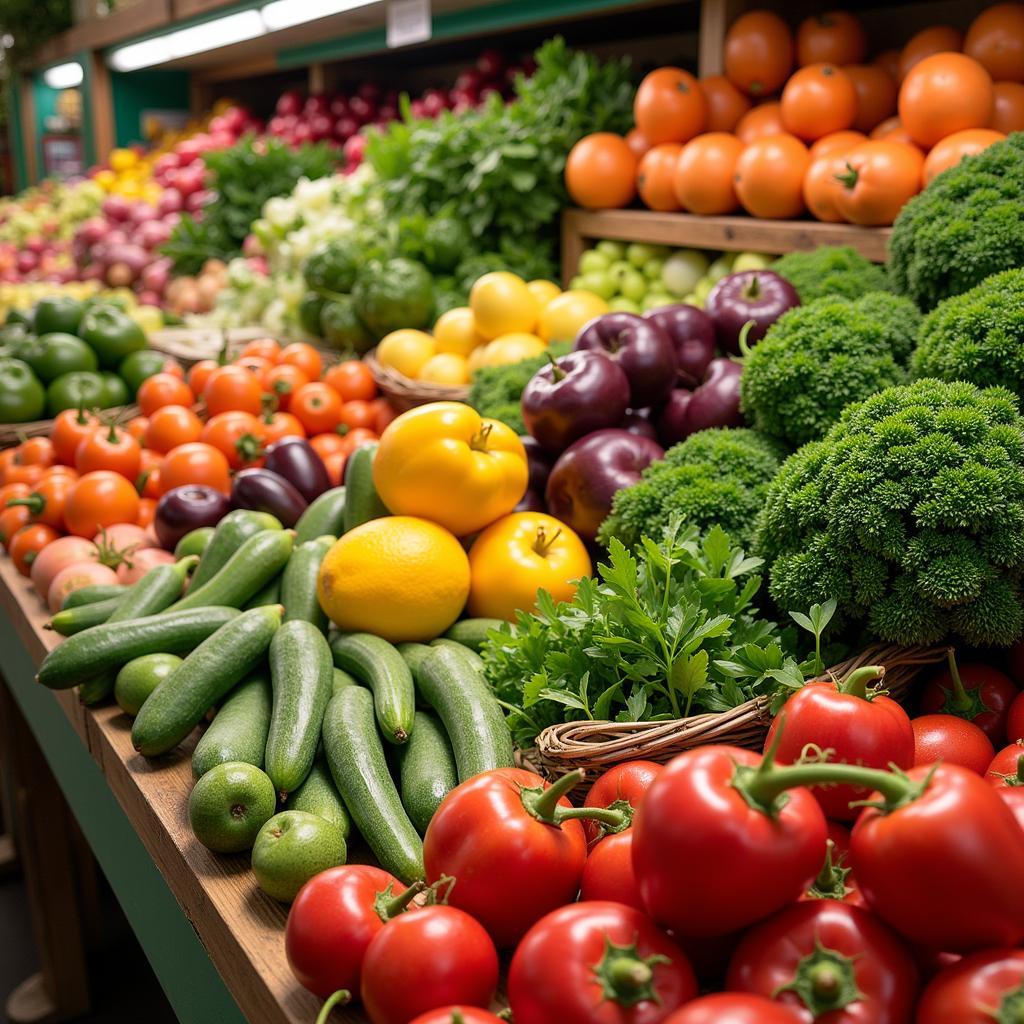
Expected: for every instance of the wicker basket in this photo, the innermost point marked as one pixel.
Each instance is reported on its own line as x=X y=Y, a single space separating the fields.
x=596 y=746
x=405 y=393
x=14 y=433
x=190 y=344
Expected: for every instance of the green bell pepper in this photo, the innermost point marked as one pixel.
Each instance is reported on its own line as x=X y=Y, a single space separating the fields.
x=134 y=369
x=22 y=397
x=60 y=353
x=80 y=389
x=342 y=329
x=112 y=334
x=115 y=391
x=57 y=314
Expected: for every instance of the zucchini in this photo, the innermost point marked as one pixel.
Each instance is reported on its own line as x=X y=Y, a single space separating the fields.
x=232 y=531
x=156 y=591
x=471 y=714
x=195 y=542
x=302 y=676
x=70 y=621
x=93 y=593
x=362 y=502
x=376 y=663
x=360 y=771
x=105 y=648
x=472 y=633
x=318 y=795
x=341 y=678
x=252 y=566
x=97 y=689
x=178 y=704
x=325 y=516
x=269 y=593
x=465 y=652
x=298 y=583
x=427 y=770
x=238 y=731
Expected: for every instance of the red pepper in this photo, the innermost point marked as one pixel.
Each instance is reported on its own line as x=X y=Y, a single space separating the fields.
x=974 y=691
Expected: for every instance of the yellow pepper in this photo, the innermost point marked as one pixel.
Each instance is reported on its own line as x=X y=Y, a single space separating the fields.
x=446 y=463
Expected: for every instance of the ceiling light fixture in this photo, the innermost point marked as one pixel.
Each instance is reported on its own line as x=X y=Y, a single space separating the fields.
x=64 y=76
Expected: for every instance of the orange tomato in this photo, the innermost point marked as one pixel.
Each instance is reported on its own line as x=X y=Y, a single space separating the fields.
x=59 y=470
x=305 y=357
x=46 y=502
x=195 y=463
x=892 y=130
x=146 y=513
x=756 y=123
x=836 y=142
x=137 y=427
x=36 y=451
x=383 y=413
x=944 y=94
x=726 y=104
x=770 y=176
x=655 y=174
x=703 y=179
x=758 y=53
x=356 y=438
x=834 y=37
x=881 y=176
x=317 y=407
x=600 y=172
x=355 y=415
x=265 y=348
x=280 y=424
x=282 y=382
x=351 y=379
x=952 y=149
x=27 y=543
x=327 y=444
x=199 y=374
x=8 y=492
x=889 y=61
x=12 y=519
x=237 y=435
x=254 y=364
x=162 y=389
x=334 y=463
x=637 y=142
x=148 y=482
x=99 y=500
x=170 y=426
x=7 y=459
x=822 y=186
x=818 y=99
x=1007 y=107
x=69 y=427
x=109 y=448
x=995 y=40
x=229 y=388
x=15 y=474
x=670 y=106
x=876 y=94
x=928 y=42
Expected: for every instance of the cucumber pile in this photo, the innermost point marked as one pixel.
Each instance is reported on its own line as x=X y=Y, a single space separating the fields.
x=349 y=732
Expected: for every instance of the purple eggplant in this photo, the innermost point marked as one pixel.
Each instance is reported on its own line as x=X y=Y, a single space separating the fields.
x=539 y=463
x=266 y=491
x=715 y=403
x=296 y=460
x=186 y=508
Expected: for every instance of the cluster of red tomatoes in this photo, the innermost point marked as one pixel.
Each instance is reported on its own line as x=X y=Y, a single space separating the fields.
x=866 y=868
x=840 y=138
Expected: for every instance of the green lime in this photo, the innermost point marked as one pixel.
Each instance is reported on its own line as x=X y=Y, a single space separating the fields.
x=229 y=805
x=291 y=848
x=140 y=677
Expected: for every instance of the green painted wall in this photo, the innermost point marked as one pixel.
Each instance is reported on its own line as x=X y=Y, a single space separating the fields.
x=144 y=90
x=44 y=104
x=17 y=135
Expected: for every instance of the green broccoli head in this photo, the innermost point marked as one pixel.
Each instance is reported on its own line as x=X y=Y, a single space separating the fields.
x=817 y=359
x=910 y=513
x=831 y=271
x=977 y=336
x=714 y=476
x=965 y=226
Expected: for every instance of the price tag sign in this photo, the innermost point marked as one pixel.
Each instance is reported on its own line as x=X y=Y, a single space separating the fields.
x=409 y=22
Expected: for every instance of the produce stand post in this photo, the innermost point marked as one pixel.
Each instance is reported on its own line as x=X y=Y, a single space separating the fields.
x=715 y=18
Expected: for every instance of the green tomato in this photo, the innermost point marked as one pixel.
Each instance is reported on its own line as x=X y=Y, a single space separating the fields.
x=310 y=308
x=112 y=334
x=633 y=285
x=653 y=269
x=22 y=397
x=138 y=366
x=620 y=304
x=593 y=261
x=80 y=389
x=60 y=353
x=58 y=314
x=638 y=253
x=611 y=250
x=17 y=316
x=115 y=391
x=600 y=284
x=342 y=329
x=332 y=266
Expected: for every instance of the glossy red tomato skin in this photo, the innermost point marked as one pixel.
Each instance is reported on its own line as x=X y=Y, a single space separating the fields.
x=972 y=991
x=870 y=732
x=552 y=976
x=995 y=690
x=483 y=835
x=958 y=828
x=626 y=782
x=608 y=873
x=952 y=740
x=426 y=958
x=458 y=1015
x=768 y=959
x=1015 y=719
x=754 y=864
x=332 y=922
x=1007 y=767
x=734 y=1008
x=1013 y=797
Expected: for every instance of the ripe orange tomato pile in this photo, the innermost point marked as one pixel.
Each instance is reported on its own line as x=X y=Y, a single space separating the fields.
x=802 y=122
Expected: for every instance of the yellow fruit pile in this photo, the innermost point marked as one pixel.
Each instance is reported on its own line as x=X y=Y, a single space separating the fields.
x=129 y=175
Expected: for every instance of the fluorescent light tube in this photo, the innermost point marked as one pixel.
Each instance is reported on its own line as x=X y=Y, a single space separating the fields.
x=286 y=13
x=142 y=55
x=64 y=76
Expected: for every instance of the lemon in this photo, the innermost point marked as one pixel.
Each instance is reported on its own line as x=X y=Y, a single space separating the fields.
x=400 y=577
x=445 y=368
x=455 y=331
x=544 y=291
x=406 y=351
x=477 y=358
x=502 y=303
x=564 y=315
x=106 y=179
x=513 y=348
x=123 y=159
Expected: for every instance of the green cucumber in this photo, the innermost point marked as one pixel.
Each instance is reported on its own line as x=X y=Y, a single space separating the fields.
x=269 y=593
x=97 y=689
x=302 y=676
x=195 y=542
x=318 y=795
x=93 y=593
x=360 y=771
x=325 y=516
x=239 y=730
x=472 y=633
x=340 y=679
x=69 y=621
x=467 y=653
x=472 y=717
x=427 y=770
x=378 y=664
x=362 y=502
x=156 y=591
x=298 y=583
x=253 y=565
x=178 y=704
x=232 y=531
x=105 y=648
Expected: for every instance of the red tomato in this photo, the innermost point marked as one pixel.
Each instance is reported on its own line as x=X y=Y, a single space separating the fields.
x=597 y=963
x=608 y=873
x=109 y=448
x=36 y=451
x=46 y=502
x=317 y=407
x=256 y=365
x=334 y=463
x=282 y=382
x=199 y=374
x=148 y=482
x=359 y=414
x=170 y=426
x=137 y=427
x=265 y=348
x=230 y=388
x=26 y=544
x=98 y=500
x=457 y=1015
x=194 y=463
x=1015 y=719
x=881 y=175
x=352 y=380
x=327 y=444
x=952 y=740
x=484 y=835
x=162 y=389
x=304 y=356
x=11 y=521
x=822 y=185
x=426 y=958
x=840 y=836
x=859 y=727
x=625 y=783
x=979 y=989
x=827 y=960
x=734 y=1008
x=384 y=413
x=1013 y=797
x=357 y=438
x=238 y=436
x=1007 y=767
x=975 y=691
x=276 y=425
x=147 y=512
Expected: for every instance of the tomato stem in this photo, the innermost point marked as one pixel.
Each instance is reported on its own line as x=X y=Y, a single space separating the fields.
x=849 y=179
x=958 y=698
x=342 y=996
x=824 y=981
x=831 y=881
x=856 y=683
x=35 y=503
x=625 y=977
x=388 y=905
x=543 y=804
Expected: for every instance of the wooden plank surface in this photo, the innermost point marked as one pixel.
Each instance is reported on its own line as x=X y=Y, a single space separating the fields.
x=240 y=927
